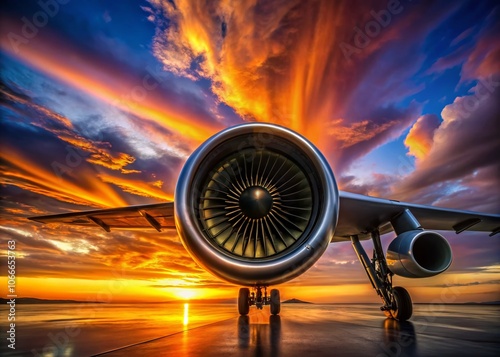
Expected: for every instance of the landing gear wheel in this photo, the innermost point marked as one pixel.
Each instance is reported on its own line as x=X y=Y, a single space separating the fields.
x=275 y=302
x=243 y=301
x=402 y=304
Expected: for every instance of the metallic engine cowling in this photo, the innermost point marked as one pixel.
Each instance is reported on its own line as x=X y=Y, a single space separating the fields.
x=256 y=204
x=419 y=254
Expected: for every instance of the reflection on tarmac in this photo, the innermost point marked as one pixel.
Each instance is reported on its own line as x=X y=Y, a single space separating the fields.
x=342 y=330
x=259 y=335
x=399 y=338
x=300 y=330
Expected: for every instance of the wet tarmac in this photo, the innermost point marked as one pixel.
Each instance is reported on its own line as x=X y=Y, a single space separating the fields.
x=335 y=330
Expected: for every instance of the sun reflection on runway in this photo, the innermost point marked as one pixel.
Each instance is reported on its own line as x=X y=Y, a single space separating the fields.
x=186 y=314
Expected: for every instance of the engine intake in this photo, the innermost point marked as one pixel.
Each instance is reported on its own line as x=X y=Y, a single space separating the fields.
x=256 y=204
x=419 y=254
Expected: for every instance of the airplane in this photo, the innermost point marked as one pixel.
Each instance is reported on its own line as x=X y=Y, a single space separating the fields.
x=257 y=205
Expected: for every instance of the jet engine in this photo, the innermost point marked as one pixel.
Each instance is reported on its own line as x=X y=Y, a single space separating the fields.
x=256 y=204
x=419 y=254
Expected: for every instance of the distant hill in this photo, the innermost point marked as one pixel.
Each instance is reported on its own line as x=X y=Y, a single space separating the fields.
x=29 y=300
x=484 y=303
x=295 y=301
x=462 y=303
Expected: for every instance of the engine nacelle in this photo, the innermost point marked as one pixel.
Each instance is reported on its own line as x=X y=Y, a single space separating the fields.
x=256 y=204
x=419 y=254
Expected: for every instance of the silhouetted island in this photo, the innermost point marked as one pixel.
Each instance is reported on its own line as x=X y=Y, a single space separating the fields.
x=484 y=303
x=296 y=301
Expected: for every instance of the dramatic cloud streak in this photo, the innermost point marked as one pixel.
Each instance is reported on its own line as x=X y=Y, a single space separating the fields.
x=99 y=152
x=116 y=87
x=277 y=61
x=29 y=176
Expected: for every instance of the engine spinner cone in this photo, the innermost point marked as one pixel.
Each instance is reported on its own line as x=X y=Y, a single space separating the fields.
x=256 y=202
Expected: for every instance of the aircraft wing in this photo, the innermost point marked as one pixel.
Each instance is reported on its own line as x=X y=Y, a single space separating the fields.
x=359 y=215
x=158 y=216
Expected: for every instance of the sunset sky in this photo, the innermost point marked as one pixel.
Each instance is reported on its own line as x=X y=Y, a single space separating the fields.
x=103 y=101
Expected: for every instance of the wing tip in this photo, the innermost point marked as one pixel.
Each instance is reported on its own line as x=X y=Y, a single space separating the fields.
x=35 y=219
x=495 y=231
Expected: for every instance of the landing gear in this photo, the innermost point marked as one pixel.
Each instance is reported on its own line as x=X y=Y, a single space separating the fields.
x=402 y=307
x=259 y=299
x=275 y=302
x=397 y=300
x=244 y=301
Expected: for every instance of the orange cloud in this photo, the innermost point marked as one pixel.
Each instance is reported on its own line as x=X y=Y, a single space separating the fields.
x=358 y=132
x=138 y=187
x=28 y=175
x=280 y=62
x=467 y=147
x=420 y=138
x=259 y=62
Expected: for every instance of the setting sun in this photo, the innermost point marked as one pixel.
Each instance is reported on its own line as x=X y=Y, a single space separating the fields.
x=185 y=294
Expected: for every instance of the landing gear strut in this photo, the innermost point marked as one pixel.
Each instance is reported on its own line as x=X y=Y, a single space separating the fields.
x=397 y=300
x=259 y=299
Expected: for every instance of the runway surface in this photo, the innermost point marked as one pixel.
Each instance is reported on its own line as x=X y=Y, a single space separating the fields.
x=310 y=330
x=113 y=330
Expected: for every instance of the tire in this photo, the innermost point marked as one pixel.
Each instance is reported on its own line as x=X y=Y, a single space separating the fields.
x=404 y=306
x=243 y=301
x=275 y=302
